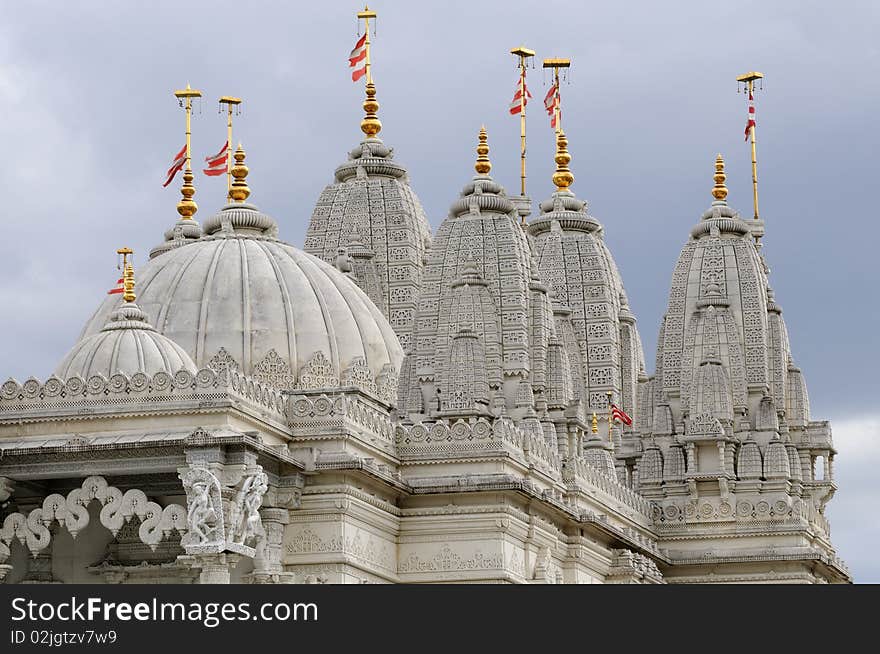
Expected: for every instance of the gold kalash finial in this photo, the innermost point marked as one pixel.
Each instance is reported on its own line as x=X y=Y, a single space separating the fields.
x=563 y=177
x=483 y=165
x=239 y=191
x=595 y=423
x=127 y=275
x=187 y=207
x=370 y=125
x=719 y=191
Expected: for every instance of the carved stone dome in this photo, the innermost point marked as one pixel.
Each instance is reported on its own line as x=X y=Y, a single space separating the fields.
x=239 y=297
x=127 y=344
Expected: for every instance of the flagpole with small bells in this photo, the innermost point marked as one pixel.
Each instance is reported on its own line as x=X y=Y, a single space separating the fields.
x=749 y=80
x=370 y=125
x=231 y=105
x=187 y=207
x=556 y=64
x=523 y=53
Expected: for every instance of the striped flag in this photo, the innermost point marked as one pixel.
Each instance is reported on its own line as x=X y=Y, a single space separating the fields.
x=751 y=121
x=176 y=166
x=551 y=101
x=119 y=288
x=517 y=104
x=358 y=55
x=217 y=163
x=619 y=415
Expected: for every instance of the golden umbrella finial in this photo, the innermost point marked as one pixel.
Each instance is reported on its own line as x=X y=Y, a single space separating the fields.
x=595 y=423
x=719 y=191
x=239 y=191
x=483 y=165
x=127 y=275
x=562 y=177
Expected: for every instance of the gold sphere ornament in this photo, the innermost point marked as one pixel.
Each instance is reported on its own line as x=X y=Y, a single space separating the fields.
x=563 y=177
x=483 y=165
x=187 y=208
x=719 y=191
x=239 y=191
x=371 y=125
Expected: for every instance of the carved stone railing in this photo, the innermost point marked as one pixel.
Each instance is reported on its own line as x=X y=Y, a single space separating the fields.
x=444 y=439
x=71 y=513
x=347 y=412
x=582 y=473
x=136 y=393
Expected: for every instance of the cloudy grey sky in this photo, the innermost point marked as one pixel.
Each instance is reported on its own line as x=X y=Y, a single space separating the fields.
x=89 y=126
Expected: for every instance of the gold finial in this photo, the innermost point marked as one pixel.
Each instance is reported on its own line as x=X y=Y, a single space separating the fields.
x=595 y=423
x=719 y=191
x=127 y=275
x=371 y=125
x=562 y=177
x=483 y=165
x=240 y=190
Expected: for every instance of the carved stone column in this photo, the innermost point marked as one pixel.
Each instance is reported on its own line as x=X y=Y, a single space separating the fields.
x=215 y=568
x=267 y=561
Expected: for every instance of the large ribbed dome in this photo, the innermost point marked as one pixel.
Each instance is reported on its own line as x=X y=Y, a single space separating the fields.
x=239 y=297
x=127 y=344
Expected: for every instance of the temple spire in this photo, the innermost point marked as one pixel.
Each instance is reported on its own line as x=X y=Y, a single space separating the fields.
x=239 y=190
x=563 y=178
x=127 y=275
x=370 y=125
x=719 y=191
x=483 y=165
x=187 y=207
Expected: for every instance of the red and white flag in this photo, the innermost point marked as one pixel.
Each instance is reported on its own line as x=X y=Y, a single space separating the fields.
x=358 y=56
x=119 y=288
x=176 y=165
x=551 y=101
x=618 y=414
x=751 y=121
x=518 y=102
x=217 y=163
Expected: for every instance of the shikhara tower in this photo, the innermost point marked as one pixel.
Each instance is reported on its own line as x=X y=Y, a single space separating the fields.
x=390 y=408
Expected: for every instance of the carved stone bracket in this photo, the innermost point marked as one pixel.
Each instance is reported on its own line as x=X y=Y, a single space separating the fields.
x=72 y=513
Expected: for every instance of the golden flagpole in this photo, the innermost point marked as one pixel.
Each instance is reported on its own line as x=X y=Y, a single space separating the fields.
x=749 y=80
x=187 y=207
x=370 y=125
x=231 y=104
x=556 y=64
x=523 y=53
